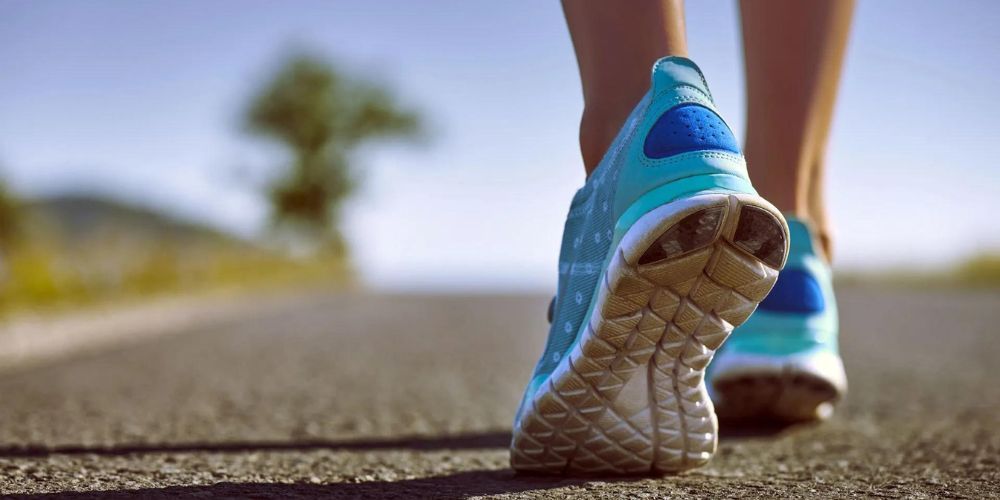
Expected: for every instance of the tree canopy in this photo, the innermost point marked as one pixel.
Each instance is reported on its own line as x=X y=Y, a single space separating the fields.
x=9 y=220
x=321 y=115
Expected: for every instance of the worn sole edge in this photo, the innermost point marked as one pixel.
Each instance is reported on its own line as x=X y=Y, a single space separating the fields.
x=666 y=317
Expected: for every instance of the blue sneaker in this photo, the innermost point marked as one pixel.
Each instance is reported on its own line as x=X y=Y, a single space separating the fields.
x=666 y=248
x=783 y=363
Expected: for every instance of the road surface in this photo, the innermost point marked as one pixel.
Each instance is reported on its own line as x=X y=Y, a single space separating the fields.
x=378 y=396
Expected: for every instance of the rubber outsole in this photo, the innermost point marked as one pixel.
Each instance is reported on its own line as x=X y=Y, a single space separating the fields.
x=789 y=397
x=630 y=397
x=790 y=388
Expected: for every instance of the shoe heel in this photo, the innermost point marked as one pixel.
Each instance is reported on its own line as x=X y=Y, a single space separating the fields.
x=630 y=397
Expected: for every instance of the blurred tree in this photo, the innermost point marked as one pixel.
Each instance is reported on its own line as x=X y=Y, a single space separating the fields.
x=9 y=220
x=322 y=116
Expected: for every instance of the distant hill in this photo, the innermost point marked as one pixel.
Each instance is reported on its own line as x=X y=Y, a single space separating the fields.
x=84 y=248
x=75 y=218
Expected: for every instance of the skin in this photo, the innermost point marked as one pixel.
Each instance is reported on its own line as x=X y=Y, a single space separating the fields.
x=616 y=43
x=794 y=52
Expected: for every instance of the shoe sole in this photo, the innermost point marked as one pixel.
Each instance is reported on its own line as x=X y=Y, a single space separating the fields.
x=630 y=397
x=790 y=388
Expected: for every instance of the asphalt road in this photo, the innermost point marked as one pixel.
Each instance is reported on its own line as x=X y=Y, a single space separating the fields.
x=357 y=396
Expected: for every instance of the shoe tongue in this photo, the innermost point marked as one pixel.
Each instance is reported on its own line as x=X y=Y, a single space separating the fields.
x=680 y=78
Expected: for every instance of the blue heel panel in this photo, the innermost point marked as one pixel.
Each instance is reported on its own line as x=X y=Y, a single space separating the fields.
x=688 y=127
x=795 y=291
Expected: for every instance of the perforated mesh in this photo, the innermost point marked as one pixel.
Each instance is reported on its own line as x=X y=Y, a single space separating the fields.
x=688 y=127
x=586 y=241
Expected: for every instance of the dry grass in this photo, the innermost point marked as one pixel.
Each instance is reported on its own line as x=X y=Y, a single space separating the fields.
x=42 y=276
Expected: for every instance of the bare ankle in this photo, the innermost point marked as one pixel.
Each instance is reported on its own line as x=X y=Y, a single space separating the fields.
x=598 y=128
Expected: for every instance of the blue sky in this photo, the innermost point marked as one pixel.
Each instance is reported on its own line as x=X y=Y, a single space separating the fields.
x=142 y=100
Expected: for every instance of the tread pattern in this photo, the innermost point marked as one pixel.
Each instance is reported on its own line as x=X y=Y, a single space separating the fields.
x=788 y=396
x=631 y=398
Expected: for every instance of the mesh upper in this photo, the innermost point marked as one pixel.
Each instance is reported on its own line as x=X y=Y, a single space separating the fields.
x=677 y=92
x=586 y=241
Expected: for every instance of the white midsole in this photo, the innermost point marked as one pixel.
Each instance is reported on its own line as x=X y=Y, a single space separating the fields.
x=825 y=365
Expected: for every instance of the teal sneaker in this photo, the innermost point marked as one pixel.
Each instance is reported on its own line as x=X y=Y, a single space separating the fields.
x=783 y=362
x=666 y=248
